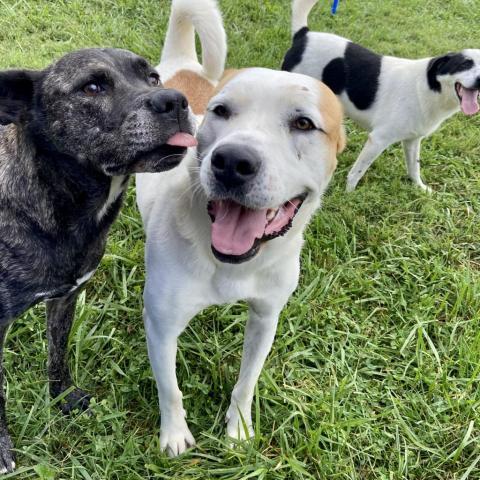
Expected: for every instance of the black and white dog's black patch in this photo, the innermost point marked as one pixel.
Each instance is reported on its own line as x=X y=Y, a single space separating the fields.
x=395 y=99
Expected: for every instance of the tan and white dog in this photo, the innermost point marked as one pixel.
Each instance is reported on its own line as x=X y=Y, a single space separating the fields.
x=227 y=224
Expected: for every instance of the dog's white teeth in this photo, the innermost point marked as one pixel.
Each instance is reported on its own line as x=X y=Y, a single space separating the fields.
x=271 y=213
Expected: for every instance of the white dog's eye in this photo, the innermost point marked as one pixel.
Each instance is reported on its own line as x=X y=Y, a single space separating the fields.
x=303 y=123
x=221 y=111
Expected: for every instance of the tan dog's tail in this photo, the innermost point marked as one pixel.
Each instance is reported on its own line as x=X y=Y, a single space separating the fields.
x=202 y=16
x=300 y=11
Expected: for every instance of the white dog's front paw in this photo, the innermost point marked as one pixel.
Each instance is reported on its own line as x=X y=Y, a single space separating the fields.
x=424 y=187
x=238 y=427
x=351 y=185
x=175 y=437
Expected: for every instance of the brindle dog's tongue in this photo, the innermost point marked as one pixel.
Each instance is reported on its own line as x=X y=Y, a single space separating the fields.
x=182 y=139
x=235 y=227
x=469 y=103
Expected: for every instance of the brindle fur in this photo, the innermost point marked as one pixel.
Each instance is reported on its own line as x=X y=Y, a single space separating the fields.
x=65 y=158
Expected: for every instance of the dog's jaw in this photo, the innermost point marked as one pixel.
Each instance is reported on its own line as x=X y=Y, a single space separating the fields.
x=239 y=232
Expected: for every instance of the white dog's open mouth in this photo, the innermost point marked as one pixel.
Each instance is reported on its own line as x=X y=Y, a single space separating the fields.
x=468 y=99
x=238 y=231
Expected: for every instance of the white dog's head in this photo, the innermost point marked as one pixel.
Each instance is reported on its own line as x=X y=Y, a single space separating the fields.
x=459 y=73
x=268 y=143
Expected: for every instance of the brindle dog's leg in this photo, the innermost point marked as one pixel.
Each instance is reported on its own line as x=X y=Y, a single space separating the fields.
x=60 y=313
x=7 y=459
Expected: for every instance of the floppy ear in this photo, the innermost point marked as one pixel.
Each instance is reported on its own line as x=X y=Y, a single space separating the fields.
x=434 y=66
x=444 y=65
x=16 y=94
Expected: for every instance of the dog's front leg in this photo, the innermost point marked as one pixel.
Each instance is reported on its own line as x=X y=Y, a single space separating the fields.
x=372 y=149
x=163 y=330
x=60 y=313
x=7 y=459
x=259 y=335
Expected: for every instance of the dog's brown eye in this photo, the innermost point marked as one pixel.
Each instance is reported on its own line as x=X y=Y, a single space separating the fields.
x=221 y=111
x=93 y=89
x=154 y=79
x=303 y=123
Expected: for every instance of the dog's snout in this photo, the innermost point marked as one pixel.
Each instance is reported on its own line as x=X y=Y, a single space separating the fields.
x=168 y=101
x=233 y=165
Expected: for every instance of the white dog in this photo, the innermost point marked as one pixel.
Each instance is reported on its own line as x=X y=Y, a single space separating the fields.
x=395 y=99
x=227 y=224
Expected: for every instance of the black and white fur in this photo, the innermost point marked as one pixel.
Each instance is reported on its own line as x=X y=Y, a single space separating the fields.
x=395 y=99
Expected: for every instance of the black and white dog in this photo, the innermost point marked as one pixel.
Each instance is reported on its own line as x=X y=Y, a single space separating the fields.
x=70 y=135
x=395 y=99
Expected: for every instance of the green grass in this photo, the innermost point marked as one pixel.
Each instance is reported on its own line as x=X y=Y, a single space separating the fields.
x=375 y=373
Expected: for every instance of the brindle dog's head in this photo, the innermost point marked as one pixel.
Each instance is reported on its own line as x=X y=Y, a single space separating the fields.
x=105 y=107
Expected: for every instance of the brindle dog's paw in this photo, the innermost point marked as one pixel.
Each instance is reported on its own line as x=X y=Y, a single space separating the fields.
x=7 y=458
x=75 y=400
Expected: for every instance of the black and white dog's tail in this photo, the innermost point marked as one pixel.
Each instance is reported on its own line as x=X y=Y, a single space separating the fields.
x=300 y=12
x=186 y=17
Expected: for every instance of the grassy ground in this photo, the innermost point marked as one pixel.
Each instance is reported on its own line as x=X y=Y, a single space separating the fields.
x=375 y=371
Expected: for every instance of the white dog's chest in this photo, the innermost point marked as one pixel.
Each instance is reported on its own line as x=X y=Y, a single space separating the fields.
x=226 y=288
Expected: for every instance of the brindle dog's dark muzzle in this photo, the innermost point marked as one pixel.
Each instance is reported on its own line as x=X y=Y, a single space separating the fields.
x=170 y=109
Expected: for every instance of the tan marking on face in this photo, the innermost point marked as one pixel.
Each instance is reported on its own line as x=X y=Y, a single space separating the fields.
x=332 y=113
x=197 y=89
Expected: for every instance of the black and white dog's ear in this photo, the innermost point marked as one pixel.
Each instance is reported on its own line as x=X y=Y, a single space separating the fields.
x=448 y=64
x=17 y=89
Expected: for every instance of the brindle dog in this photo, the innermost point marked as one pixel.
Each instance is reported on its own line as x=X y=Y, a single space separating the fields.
x=70 y=136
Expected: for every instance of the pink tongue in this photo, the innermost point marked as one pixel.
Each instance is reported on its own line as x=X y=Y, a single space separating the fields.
x=182 y=139
x=469 y=102
x=235 y=228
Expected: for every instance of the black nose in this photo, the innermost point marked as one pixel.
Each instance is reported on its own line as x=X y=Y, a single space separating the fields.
x=168 y=102
x=234 y=165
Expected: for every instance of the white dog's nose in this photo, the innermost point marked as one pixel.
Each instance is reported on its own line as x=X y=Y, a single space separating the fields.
x=234 y=165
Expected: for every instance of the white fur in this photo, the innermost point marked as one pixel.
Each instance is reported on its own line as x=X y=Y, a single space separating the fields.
x=188 y=16
x=405 y=110
x=300 y=11
x=117 y=186
x=83 y=279
x=184 y=277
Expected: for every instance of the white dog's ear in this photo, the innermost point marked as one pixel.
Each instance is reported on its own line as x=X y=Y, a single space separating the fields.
x=332 y=110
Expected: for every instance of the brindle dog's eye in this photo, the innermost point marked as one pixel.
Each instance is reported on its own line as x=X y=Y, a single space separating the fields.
x=154 y=79
x=303 y=123
x=92 y=89
x=221 y=111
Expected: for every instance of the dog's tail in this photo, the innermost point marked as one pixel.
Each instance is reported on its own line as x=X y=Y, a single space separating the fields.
x=300 y=11
x=202 y=16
